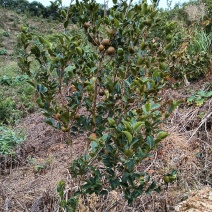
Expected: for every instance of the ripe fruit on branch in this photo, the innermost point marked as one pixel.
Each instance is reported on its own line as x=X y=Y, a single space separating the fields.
x=92 y=136
x=77 y=116
x=101 y=48
x=110 y=32
x=87 y=25
x=105 y=42
x=101 y=92
x=110 y=50
x=106 y=152
x=73 y=88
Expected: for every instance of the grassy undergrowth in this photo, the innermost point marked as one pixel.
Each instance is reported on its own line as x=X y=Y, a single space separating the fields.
x=16 y=101
x=17 y=97
x=9 y=139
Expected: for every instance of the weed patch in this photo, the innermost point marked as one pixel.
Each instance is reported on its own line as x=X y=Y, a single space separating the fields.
x=199 y=97
x=15 y=95
x=3 y=52
x=9 y=140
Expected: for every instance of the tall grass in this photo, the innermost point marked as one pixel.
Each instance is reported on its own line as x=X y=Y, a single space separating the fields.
x=200 y=42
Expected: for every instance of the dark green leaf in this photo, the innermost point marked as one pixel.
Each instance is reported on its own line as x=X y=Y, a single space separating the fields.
x=150 y=141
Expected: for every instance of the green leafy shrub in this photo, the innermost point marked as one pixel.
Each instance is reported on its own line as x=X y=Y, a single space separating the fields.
x=7 y=110
x=199 y=54
x=199 y=97
x=191 y=56
x=191 y=50
x=15 y=98
x=3 y=52
x=9 y=140
x=200 y=42
x=18 y=49
x=5 y=80
x=1 y=40
x=6 y=34
x=107 y=87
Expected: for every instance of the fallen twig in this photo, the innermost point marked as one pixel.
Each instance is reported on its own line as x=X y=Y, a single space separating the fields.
x=201 y=123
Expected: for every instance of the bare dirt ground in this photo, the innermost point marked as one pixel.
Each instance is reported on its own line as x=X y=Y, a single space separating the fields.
x=40 y=163
x=198 y=201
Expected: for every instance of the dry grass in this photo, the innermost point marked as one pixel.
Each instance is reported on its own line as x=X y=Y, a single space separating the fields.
x=196 y=12
x=23 y=186
x=25 y=189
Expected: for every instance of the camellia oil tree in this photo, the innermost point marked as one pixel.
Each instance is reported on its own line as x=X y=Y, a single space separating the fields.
x=106 y=81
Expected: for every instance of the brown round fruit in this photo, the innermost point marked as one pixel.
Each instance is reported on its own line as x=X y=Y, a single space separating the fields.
x=101 y=48
x=92 y=136
x=104 y=98
x=110 y=50
x=77 y=116
x=73 y=89
x=101 y=92
x=105 y=42
x=106 y=152
x=87 y=25
x=110 y=32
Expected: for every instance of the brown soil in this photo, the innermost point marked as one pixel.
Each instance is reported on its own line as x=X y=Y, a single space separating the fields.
x=198 y=201
x=24 y=188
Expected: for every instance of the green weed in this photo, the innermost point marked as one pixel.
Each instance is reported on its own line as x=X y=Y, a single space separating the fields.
x=15 y=95
x=1 y=39
x=6 y=34
x=3 y=52
x=199 y=97
x=15 y=102
x=40 y=166
x=10 y=70
x=9 y=139
x=200 y=42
